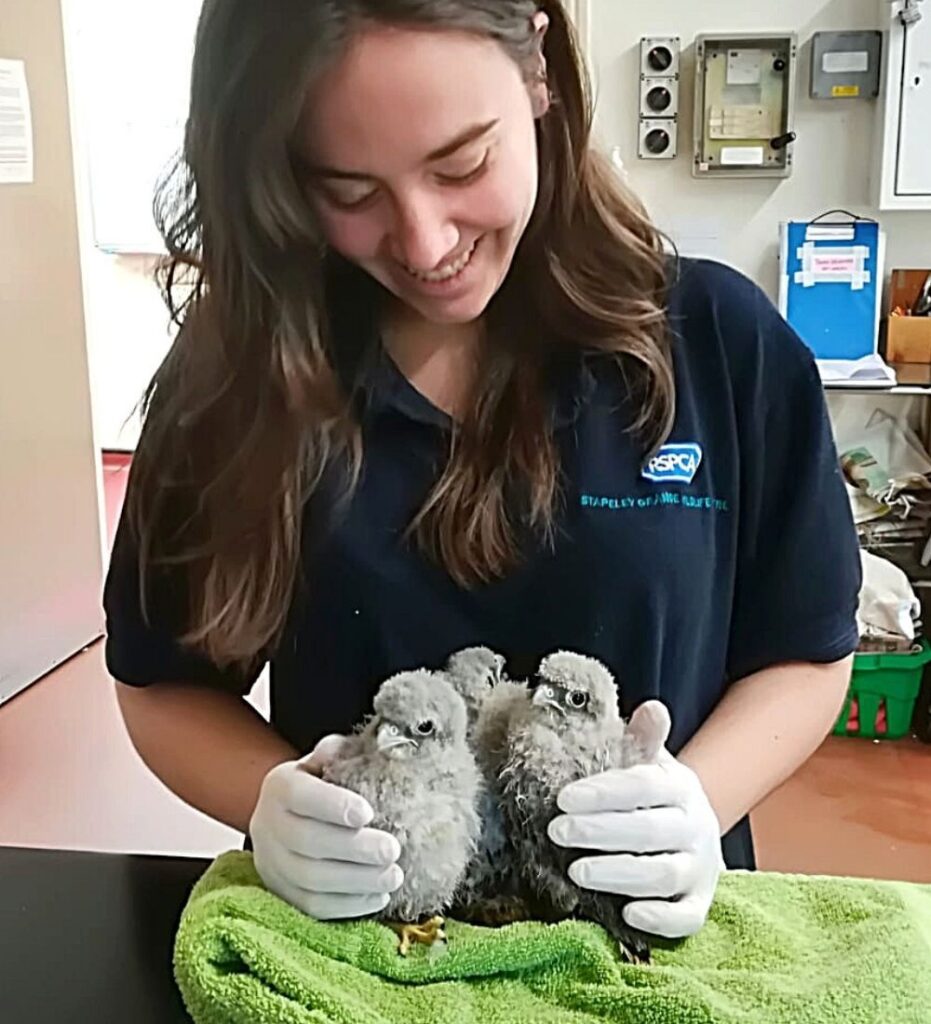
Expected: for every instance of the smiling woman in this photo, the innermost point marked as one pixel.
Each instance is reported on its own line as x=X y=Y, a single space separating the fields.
x=439 y=383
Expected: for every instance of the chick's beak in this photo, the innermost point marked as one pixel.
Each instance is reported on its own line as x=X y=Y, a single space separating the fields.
x=544 y=697
x=389 y=736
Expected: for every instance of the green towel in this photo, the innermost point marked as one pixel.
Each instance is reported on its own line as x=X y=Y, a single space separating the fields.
x=777 y=949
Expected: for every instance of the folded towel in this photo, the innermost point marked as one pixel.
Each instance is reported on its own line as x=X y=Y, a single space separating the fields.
x=777 y=949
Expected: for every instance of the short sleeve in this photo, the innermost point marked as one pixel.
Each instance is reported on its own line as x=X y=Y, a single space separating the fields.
x=145 y=649
x=798 y=569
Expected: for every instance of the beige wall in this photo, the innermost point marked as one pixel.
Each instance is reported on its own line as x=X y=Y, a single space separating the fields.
x=737 y=220
x=50 y=526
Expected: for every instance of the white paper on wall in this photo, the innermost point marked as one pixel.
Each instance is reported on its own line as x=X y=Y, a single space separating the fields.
x=16 y=142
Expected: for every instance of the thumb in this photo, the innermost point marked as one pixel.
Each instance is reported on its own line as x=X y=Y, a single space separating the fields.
x=650 y=726
x=324 y=754
x=667 y=919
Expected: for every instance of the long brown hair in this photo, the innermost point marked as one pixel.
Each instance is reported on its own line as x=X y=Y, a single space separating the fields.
x=249 y=409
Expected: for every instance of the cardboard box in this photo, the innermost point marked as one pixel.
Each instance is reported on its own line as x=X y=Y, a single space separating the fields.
x=908 y=338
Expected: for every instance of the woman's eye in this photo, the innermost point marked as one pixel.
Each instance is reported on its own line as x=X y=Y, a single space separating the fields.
x=424 y=728
x=578 y=699
x=350 y=199
x=467 y=175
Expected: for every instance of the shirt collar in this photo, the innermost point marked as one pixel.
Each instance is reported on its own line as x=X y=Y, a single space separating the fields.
x=386 y=389
x=378 y=386
x=383 y=388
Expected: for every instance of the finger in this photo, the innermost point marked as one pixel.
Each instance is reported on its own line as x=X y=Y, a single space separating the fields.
x=650 y=726
x=663 y=875
x=335 y=876
x=310 y=838
x=669 y=920
x=331 y=906
x=324 y=753
x=657 y=830
x=624 y=789
x=311 y=797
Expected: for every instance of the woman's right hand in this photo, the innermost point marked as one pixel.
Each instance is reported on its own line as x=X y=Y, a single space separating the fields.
x=312 y=847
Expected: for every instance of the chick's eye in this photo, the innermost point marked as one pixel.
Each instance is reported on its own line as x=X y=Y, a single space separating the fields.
x=577 y=699
x=424 y=728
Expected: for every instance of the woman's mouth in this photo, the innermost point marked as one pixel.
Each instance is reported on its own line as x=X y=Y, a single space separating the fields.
x=449 y=272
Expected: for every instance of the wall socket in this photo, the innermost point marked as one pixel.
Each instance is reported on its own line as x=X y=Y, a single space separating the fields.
x=659 y=139
x=659 y=56
x=659 y=97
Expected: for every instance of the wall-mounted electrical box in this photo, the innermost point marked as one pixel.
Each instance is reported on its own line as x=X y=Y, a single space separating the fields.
x=845 y=65
x=744 y=105
x=904 y=154
x=659 y=97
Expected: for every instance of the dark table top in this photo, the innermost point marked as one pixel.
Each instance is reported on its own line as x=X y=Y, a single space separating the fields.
x=88 y=936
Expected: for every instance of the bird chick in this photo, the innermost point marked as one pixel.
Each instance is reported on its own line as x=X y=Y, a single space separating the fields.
x=412 y=763
x=473 y=673
x=569 y=729
x=489 y=893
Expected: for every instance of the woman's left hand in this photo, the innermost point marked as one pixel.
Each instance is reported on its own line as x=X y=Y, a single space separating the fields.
x=658 y=839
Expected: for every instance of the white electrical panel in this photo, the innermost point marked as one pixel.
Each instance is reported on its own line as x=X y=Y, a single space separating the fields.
x=905 y=155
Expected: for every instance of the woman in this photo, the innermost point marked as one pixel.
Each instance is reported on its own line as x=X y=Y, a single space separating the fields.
x=437 y=383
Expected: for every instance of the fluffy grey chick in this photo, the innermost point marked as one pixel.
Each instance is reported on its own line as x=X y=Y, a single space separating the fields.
x=412 y=763
x=570 y=728
x=490 y=891
x=473 y=673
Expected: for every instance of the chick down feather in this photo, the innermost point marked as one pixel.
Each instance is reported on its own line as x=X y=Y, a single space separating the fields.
x=411 y=761
x=570 y=728
x=490 y=892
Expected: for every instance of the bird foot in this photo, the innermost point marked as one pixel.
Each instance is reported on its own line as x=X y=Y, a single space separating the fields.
x=634 y=952
x=427 y=933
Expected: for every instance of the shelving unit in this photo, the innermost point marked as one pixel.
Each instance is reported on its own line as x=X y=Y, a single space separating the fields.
x=913 y=379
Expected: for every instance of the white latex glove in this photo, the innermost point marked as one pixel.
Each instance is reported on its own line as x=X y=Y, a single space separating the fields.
x=659 y=839
x=311 y=845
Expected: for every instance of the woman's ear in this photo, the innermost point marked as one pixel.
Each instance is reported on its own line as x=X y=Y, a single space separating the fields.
x=540 y=97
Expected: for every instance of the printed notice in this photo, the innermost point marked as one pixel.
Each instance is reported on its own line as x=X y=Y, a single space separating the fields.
x=834 y=265
x=854 y=62
x=16 y=150
x=744 y=67
x=742 y=156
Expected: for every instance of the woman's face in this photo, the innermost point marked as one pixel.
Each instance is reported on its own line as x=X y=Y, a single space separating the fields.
x=424 y=164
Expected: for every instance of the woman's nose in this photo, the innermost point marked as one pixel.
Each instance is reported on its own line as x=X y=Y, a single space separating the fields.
x=425 y=234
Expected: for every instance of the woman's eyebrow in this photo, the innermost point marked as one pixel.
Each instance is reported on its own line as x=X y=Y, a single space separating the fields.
x=463 y=139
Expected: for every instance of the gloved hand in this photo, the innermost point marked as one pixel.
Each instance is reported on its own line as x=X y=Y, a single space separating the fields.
x=659 y=840
x=311 y=845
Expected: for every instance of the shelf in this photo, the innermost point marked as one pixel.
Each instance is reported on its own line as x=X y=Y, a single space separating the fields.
x=914 y=379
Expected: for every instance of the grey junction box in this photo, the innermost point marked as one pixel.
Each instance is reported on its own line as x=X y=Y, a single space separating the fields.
x=845 y=65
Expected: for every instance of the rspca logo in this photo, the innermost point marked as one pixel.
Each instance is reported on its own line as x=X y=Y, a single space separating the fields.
x=674 y=463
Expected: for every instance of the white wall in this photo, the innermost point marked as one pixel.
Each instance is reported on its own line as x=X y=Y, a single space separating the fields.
x=119 y=66
x=128 y=337
x=737 y=220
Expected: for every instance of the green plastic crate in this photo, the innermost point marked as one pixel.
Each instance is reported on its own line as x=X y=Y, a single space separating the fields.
x=893 y=678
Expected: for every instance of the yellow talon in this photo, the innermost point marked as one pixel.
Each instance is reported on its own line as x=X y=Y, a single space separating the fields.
x=427 y=933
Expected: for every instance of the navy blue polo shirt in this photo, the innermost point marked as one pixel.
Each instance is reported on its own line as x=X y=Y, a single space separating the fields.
x=733 y=550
